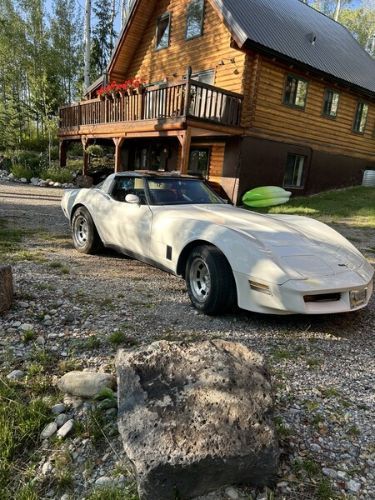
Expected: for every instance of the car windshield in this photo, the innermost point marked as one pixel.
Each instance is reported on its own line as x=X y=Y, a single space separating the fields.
x=181 y=192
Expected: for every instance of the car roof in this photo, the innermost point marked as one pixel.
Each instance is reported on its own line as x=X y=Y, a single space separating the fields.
x=153 y=174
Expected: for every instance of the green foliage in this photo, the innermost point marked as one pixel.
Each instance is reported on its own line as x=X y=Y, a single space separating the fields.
x=57 y=174
x=21 y=171
x=22 y=418
x=95 y=150
x=355 y=205
x=128 y=492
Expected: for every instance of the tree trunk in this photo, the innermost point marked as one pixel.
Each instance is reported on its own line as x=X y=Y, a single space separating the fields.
x=87 y=44
x=337 y=10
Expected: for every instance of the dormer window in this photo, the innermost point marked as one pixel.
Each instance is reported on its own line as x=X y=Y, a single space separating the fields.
x=194 y=19
x=163 y=31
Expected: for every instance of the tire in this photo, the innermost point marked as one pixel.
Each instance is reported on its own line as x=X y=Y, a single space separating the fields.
x=209 y=280
x=85 y=236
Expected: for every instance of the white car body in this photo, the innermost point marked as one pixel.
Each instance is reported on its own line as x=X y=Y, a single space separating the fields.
x=281 y=264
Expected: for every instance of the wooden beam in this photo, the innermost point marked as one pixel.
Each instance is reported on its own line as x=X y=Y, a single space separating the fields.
x=185 y=141
x=86 y=158
x=62 y=153
x=118 y=144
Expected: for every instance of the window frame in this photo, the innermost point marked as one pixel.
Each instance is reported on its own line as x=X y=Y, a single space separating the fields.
x=299 y=78
x=325 y=115
x=304 y=171
x=161 y=18
x=207 y=149
x=202 y=20
x=354 y=130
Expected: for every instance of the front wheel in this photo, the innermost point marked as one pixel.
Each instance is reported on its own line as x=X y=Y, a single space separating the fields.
x=209 y=280
x=85 y=236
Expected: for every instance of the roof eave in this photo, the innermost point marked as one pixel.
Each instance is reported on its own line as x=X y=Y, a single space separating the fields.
x=254 y=46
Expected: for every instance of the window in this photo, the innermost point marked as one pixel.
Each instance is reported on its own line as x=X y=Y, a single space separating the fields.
x=295 y=172
x=207 y=76
x=295 y=93
x=128 y=185
x=194 y=20
x=360 y=117
x=199 y=161
x=162 y=32
x=331 y=103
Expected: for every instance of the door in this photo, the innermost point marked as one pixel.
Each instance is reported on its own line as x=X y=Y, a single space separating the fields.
x=129 y=225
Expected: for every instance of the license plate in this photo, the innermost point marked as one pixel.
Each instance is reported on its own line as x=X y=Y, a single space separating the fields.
x=358 y=297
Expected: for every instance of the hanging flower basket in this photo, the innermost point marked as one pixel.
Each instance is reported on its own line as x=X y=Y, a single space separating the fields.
x=115 y=90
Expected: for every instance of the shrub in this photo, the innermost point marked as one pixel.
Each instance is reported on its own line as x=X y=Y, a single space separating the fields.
x=21 y=171
x=95 y=150
x=57 y=174
x=75 y=149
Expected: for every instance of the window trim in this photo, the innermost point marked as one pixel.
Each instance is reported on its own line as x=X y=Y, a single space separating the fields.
x=359 y=102
x=202 y=20
x=159 y=19
x=304 y=172
x=330 y=89
x=295 y=106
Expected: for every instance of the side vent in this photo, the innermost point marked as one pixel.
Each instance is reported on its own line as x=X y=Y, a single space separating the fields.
x=169 y=253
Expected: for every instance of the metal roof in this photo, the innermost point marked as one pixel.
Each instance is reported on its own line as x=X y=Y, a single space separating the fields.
x=299 y=32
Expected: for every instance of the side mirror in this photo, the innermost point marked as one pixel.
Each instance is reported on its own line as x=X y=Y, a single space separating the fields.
x=133 y=199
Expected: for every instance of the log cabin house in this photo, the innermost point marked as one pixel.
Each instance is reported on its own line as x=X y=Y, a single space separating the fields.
x=242 y=92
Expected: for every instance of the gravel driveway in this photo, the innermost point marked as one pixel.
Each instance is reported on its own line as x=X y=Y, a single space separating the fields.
x=84 y=307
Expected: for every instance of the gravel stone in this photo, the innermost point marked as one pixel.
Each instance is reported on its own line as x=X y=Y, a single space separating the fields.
x=15 y=375
x=49 y=431
x=58 y=408
x=65 y=429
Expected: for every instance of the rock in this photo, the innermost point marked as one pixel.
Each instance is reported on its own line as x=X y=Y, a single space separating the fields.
x=57 y=185
x=329 y=472
x=57 y=409
x=11 y=176
x=196 y=417
x=6 y=288
x=232 y=494
x=15 y=375
x=24 y=180
x=47 y=468
x=40 y=340
x=49 y=431
x=103 y=481
x=26 y=327
x=353 y=486
x=65 y=429
x=61 y=419
x=85 y=384
x=34 y=181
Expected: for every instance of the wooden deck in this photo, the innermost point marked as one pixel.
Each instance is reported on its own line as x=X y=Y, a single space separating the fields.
x=157 y=108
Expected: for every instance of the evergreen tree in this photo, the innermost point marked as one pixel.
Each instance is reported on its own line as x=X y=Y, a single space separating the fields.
x=103 y=37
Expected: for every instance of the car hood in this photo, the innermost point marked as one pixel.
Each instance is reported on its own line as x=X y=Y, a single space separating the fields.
x=298 y=244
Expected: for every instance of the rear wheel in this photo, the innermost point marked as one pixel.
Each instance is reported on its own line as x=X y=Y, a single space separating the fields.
x=209 y=280
x=85 y=236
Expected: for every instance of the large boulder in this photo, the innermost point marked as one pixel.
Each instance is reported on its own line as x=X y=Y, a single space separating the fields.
x=6 y=288
x=196 y=417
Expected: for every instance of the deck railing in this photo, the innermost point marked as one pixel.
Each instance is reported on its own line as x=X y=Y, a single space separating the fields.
x=188 y=99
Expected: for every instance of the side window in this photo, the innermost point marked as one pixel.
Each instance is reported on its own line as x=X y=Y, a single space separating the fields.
x=128 y=185
x=295 y=171
x=194 y=19
x=360 y=118
x=331 y=103
x=295 y=92
x=163 y=31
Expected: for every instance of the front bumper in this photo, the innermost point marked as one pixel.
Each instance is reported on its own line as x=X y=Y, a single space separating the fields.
x=305 y=296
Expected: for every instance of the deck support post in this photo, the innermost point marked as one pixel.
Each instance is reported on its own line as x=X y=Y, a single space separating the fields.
x=86 y=157
x=63 y=153
x=185 y=142
x=119 y=141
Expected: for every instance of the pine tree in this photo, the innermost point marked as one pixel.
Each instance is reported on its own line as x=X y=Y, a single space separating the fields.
x=103 y=37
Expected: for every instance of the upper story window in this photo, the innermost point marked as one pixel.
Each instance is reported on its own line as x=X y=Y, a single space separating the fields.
x=194 y=20
x=295 y=93
x=360 y=118
x=331 y=103
x=163 y=31
x=294 y=176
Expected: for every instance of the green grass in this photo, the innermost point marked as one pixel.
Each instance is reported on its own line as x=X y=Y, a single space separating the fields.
x=353 y=205
x=129 y=492
x=22 y=418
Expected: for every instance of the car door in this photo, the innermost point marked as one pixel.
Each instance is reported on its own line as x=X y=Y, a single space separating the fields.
x=129 y=224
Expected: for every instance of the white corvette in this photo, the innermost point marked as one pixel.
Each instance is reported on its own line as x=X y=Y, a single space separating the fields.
x=276 y=264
